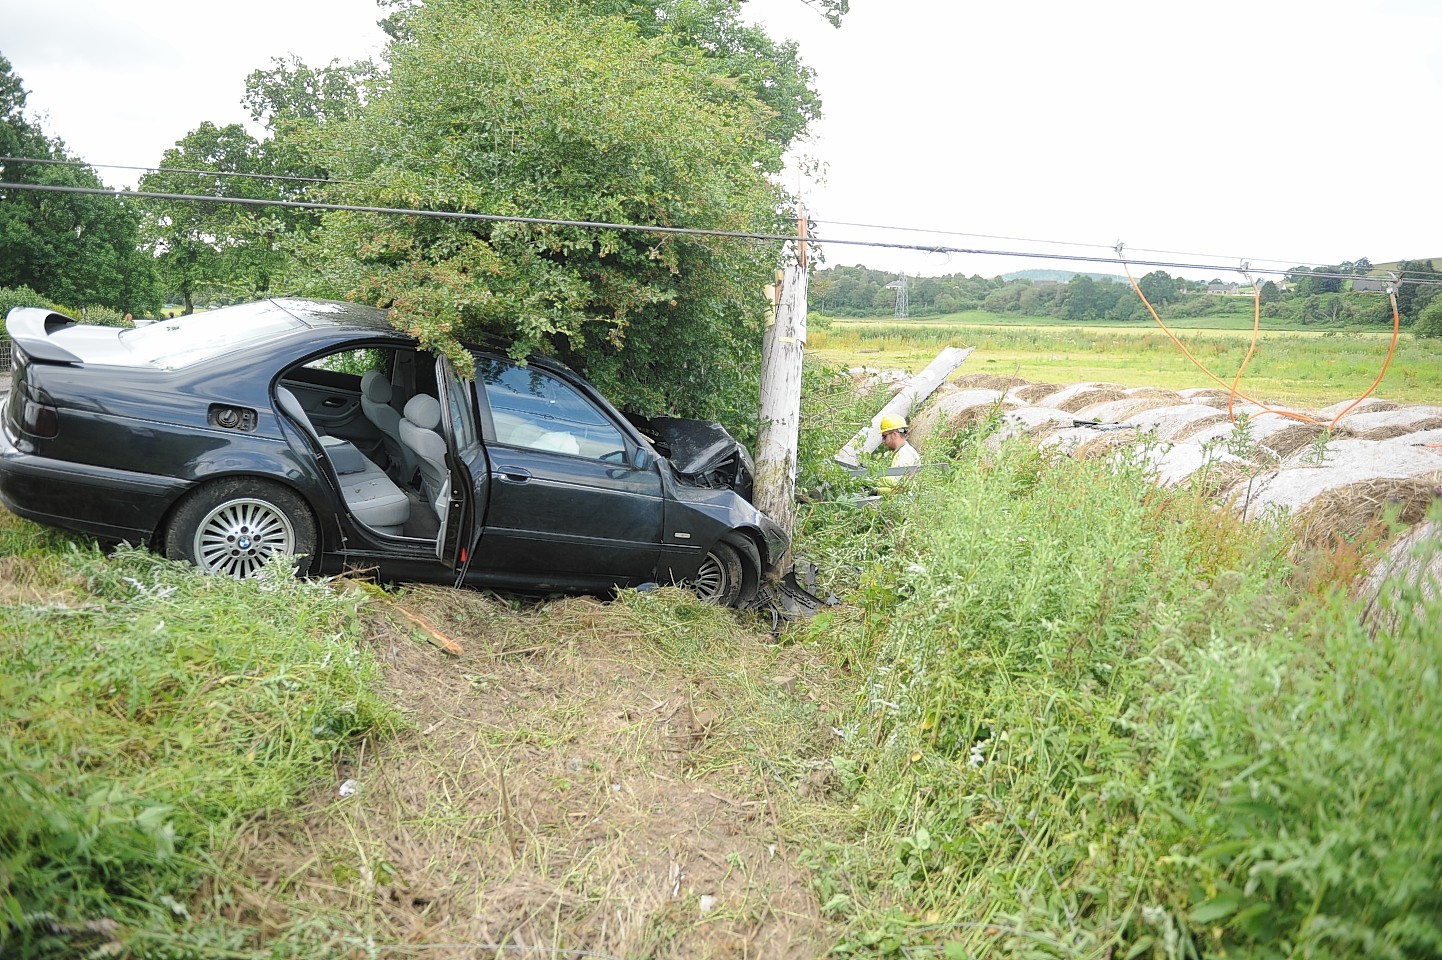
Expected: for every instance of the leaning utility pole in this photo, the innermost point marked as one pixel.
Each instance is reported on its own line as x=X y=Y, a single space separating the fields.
x=782 y=351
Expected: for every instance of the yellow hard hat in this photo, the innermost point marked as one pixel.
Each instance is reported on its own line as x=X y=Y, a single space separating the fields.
x=889 y=424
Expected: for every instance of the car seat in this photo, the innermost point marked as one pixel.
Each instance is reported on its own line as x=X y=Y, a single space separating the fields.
x=418 y=432
x=376 y=393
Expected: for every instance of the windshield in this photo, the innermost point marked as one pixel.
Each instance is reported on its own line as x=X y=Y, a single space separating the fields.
x=187 y=340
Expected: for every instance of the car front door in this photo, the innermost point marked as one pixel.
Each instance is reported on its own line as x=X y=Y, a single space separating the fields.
x=572 y=503
x=466 y=495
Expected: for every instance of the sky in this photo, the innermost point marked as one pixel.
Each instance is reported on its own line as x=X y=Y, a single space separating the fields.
x=1270 y=132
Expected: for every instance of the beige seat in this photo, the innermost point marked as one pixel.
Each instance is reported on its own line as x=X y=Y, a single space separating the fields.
x=376 y=394
x=370 y=495
x=418 y=432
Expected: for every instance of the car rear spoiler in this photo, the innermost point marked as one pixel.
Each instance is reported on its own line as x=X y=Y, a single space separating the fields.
x=31 y=327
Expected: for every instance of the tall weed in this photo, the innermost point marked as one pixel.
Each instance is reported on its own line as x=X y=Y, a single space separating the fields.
x=141 y=720
x=1100 y=721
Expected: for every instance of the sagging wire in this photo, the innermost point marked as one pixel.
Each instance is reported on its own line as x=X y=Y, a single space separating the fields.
x=1232 y=390
x=1430 y=279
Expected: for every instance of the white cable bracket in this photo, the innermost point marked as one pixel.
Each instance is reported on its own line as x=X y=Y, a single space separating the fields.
x=1392 y=285
x=1244 y=267
x=1118 y=249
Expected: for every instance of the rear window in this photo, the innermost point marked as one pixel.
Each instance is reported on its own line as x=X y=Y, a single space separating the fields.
x=187 y=340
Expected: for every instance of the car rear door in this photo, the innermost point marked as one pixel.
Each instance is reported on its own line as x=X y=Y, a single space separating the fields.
x=467 y=495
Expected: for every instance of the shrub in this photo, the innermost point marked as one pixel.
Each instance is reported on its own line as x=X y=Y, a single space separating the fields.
x=1429 y=321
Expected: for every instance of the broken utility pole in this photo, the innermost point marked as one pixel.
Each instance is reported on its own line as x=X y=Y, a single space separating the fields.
x=782 y=352
x=917 y=389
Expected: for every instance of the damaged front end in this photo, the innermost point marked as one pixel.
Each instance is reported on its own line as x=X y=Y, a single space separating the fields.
x=701 y=452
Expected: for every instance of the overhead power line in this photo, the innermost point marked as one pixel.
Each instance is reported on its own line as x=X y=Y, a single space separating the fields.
x=1225 y=266
x=196 y=171
x=657 y=229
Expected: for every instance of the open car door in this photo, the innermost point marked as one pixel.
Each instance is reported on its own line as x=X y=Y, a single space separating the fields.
x=466 y=494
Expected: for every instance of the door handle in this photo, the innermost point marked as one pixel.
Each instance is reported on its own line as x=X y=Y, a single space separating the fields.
x=332 y=402
x=512 y=474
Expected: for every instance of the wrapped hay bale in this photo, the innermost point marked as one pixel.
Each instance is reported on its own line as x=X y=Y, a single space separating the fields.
x=1033 y=393
x=1346 y=462
x=1169 y=423
x=1081 y=399
x=1031 y=421
x=1172 y=463
x=1190 y=429
x=1363 y=512
x=1369 y=405
x=955 y=411
x=1062 y=396
x=988 y=381
x=1410 y=570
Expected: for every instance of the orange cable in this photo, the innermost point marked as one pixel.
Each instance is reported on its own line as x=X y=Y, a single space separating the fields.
x=1396 y=330
x=1251 y=348
x=1289 y=414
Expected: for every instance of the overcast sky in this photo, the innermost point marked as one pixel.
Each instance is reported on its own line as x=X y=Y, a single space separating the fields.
x=1276 y=131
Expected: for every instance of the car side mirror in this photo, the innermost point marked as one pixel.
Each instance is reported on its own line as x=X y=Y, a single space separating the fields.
x=642 y=458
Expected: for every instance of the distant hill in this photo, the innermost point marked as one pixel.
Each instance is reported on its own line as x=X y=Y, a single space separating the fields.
x=1383 y=269
x=1060 y=276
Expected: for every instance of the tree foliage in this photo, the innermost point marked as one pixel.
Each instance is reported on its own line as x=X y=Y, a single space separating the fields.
x=552 y=110
x=73 y=249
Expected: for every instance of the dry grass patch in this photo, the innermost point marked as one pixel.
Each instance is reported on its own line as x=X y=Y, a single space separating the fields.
x=1190 y=430
x=1088 y=397
x=1036 y=392
x=587 y=776
x=1394 y=430
x=989 y=381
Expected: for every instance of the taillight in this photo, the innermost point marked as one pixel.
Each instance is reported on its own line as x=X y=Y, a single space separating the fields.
x=39 y=418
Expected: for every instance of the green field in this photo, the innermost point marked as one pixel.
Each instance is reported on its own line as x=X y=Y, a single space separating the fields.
x=1291 y=364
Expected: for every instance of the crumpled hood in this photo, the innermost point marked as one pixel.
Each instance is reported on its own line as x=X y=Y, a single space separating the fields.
x=701 y=452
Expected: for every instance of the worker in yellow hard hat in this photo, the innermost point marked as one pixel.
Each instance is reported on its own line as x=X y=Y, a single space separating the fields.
x=903 y=455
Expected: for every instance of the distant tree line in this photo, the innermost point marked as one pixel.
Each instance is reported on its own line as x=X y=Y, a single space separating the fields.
x=1339 y=294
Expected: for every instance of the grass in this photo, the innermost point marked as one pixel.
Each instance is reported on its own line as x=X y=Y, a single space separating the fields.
x=1095 y=719
x=1061 y=713
x=1303 y=367
x=146 y=713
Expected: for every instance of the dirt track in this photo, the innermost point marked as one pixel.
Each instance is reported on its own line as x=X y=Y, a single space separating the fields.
x=567 y=783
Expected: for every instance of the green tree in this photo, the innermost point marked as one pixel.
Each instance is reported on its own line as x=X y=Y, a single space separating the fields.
x=1429 y=321
x=74 y=249
x=1412 y=296
x=1158 y=287
x=548 y=110
x=219 y=248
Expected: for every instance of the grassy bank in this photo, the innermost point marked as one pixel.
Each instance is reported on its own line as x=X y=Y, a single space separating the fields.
x=146 y=712
x=1100 y=720
x=1059 y=713
x=1291 y=365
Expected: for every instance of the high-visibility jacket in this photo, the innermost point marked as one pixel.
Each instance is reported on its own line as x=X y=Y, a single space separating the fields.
x=904 y=458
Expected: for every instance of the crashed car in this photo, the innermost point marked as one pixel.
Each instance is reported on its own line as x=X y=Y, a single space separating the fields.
x=316 y=429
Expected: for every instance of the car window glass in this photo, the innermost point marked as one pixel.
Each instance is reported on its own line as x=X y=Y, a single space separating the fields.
x=350 y=361
x=178 y=343
x=532 y=408
x=461 y=415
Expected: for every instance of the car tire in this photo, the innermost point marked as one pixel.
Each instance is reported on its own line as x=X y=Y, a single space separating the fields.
x=231 y=527
x=728 y=574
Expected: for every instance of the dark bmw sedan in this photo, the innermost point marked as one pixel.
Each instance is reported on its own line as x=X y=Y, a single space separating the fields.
x=316 y=429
